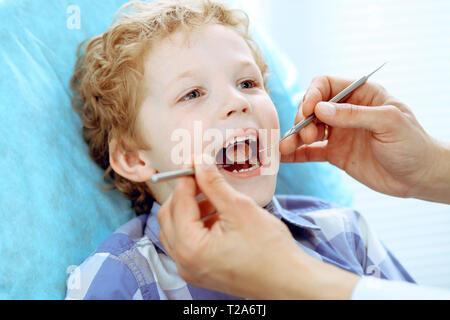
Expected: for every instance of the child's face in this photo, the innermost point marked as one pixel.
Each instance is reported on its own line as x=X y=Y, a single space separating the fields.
x=220 y=91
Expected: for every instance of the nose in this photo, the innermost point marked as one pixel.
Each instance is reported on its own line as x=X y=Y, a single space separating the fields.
x=237 y=105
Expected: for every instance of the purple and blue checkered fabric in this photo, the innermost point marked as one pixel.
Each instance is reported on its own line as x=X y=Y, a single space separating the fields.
x=132 y=263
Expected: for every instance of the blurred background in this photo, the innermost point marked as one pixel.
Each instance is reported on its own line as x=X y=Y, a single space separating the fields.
x=349 y=38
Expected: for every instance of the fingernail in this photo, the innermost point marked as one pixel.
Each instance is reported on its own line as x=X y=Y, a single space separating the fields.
x=327 y=108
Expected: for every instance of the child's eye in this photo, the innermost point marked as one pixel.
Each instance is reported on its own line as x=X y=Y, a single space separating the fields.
x=191 y=95
x=248 y=84
x=194 y=94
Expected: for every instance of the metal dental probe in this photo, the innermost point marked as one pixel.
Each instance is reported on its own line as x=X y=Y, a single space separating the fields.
x=162 y=177
x=344 y=93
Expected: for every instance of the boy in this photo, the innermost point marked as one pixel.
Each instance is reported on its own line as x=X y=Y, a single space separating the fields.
x=167 y=67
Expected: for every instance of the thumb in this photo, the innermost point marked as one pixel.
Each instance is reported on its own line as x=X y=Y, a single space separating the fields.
x=352 y=116
x=213 y=184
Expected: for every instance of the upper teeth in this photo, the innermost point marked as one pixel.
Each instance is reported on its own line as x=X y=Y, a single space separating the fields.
x=241 y=139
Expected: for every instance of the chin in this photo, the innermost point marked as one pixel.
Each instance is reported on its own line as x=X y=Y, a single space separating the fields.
x=261 y=188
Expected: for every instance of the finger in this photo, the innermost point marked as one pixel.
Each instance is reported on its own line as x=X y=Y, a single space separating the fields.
x=291 y=144
x=322 y=88
x=316 y=152
x=309 y=134
x=306 y=135
x=166 y=244
x=206 y=208
x=321 y=132
x=213 y=185
x=208 y=213
x=375 y=119
x=167 y=230
x=185 y=210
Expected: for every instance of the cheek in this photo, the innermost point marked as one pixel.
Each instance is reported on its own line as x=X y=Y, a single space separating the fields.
x=268 y=113
x=162 y=136
x=270 y=122
x=185 y=138
x=273 y=116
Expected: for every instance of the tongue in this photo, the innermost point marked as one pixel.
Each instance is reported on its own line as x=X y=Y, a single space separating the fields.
x=238 y=167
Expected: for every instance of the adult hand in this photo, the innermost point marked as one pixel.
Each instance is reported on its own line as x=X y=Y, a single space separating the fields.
x=374 y=137
x=242 y=250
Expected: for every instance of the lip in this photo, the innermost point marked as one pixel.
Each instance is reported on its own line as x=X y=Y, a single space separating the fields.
x=244 y=175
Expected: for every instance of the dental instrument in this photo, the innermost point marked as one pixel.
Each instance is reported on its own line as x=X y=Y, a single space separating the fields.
x=344 y=93
x=162 y=177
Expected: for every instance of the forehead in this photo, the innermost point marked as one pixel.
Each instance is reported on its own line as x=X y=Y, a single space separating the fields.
x=206 y=44
x=205 y=37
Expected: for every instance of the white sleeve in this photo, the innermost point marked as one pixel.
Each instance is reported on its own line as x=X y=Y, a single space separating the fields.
x=370 y=288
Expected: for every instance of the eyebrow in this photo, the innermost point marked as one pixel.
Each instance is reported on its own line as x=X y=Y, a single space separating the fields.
x=191 y=73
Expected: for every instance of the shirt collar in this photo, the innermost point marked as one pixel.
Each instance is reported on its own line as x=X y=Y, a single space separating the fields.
x=290 y=216
x=152 y=227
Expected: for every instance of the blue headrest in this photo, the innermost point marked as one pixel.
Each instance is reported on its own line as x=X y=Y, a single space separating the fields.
x=53 y=212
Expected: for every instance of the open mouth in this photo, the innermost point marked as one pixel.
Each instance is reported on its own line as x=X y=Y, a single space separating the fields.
x=240 y=155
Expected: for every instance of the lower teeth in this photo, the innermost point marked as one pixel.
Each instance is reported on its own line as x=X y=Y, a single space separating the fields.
x=247 y=170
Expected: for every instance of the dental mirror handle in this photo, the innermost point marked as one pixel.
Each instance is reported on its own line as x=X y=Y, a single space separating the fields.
x=162 y=177
x=166 y=176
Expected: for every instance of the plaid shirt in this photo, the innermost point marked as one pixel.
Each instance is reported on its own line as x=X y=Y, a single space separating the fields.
x=132 y=263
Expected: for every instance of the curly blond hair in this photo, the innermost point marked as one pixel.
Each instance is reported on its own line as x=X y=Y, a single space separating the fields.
x=108 y=79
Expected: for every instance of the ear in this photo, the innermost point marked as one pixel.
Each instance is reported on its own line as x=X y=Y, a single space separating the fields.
x=130 y=165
